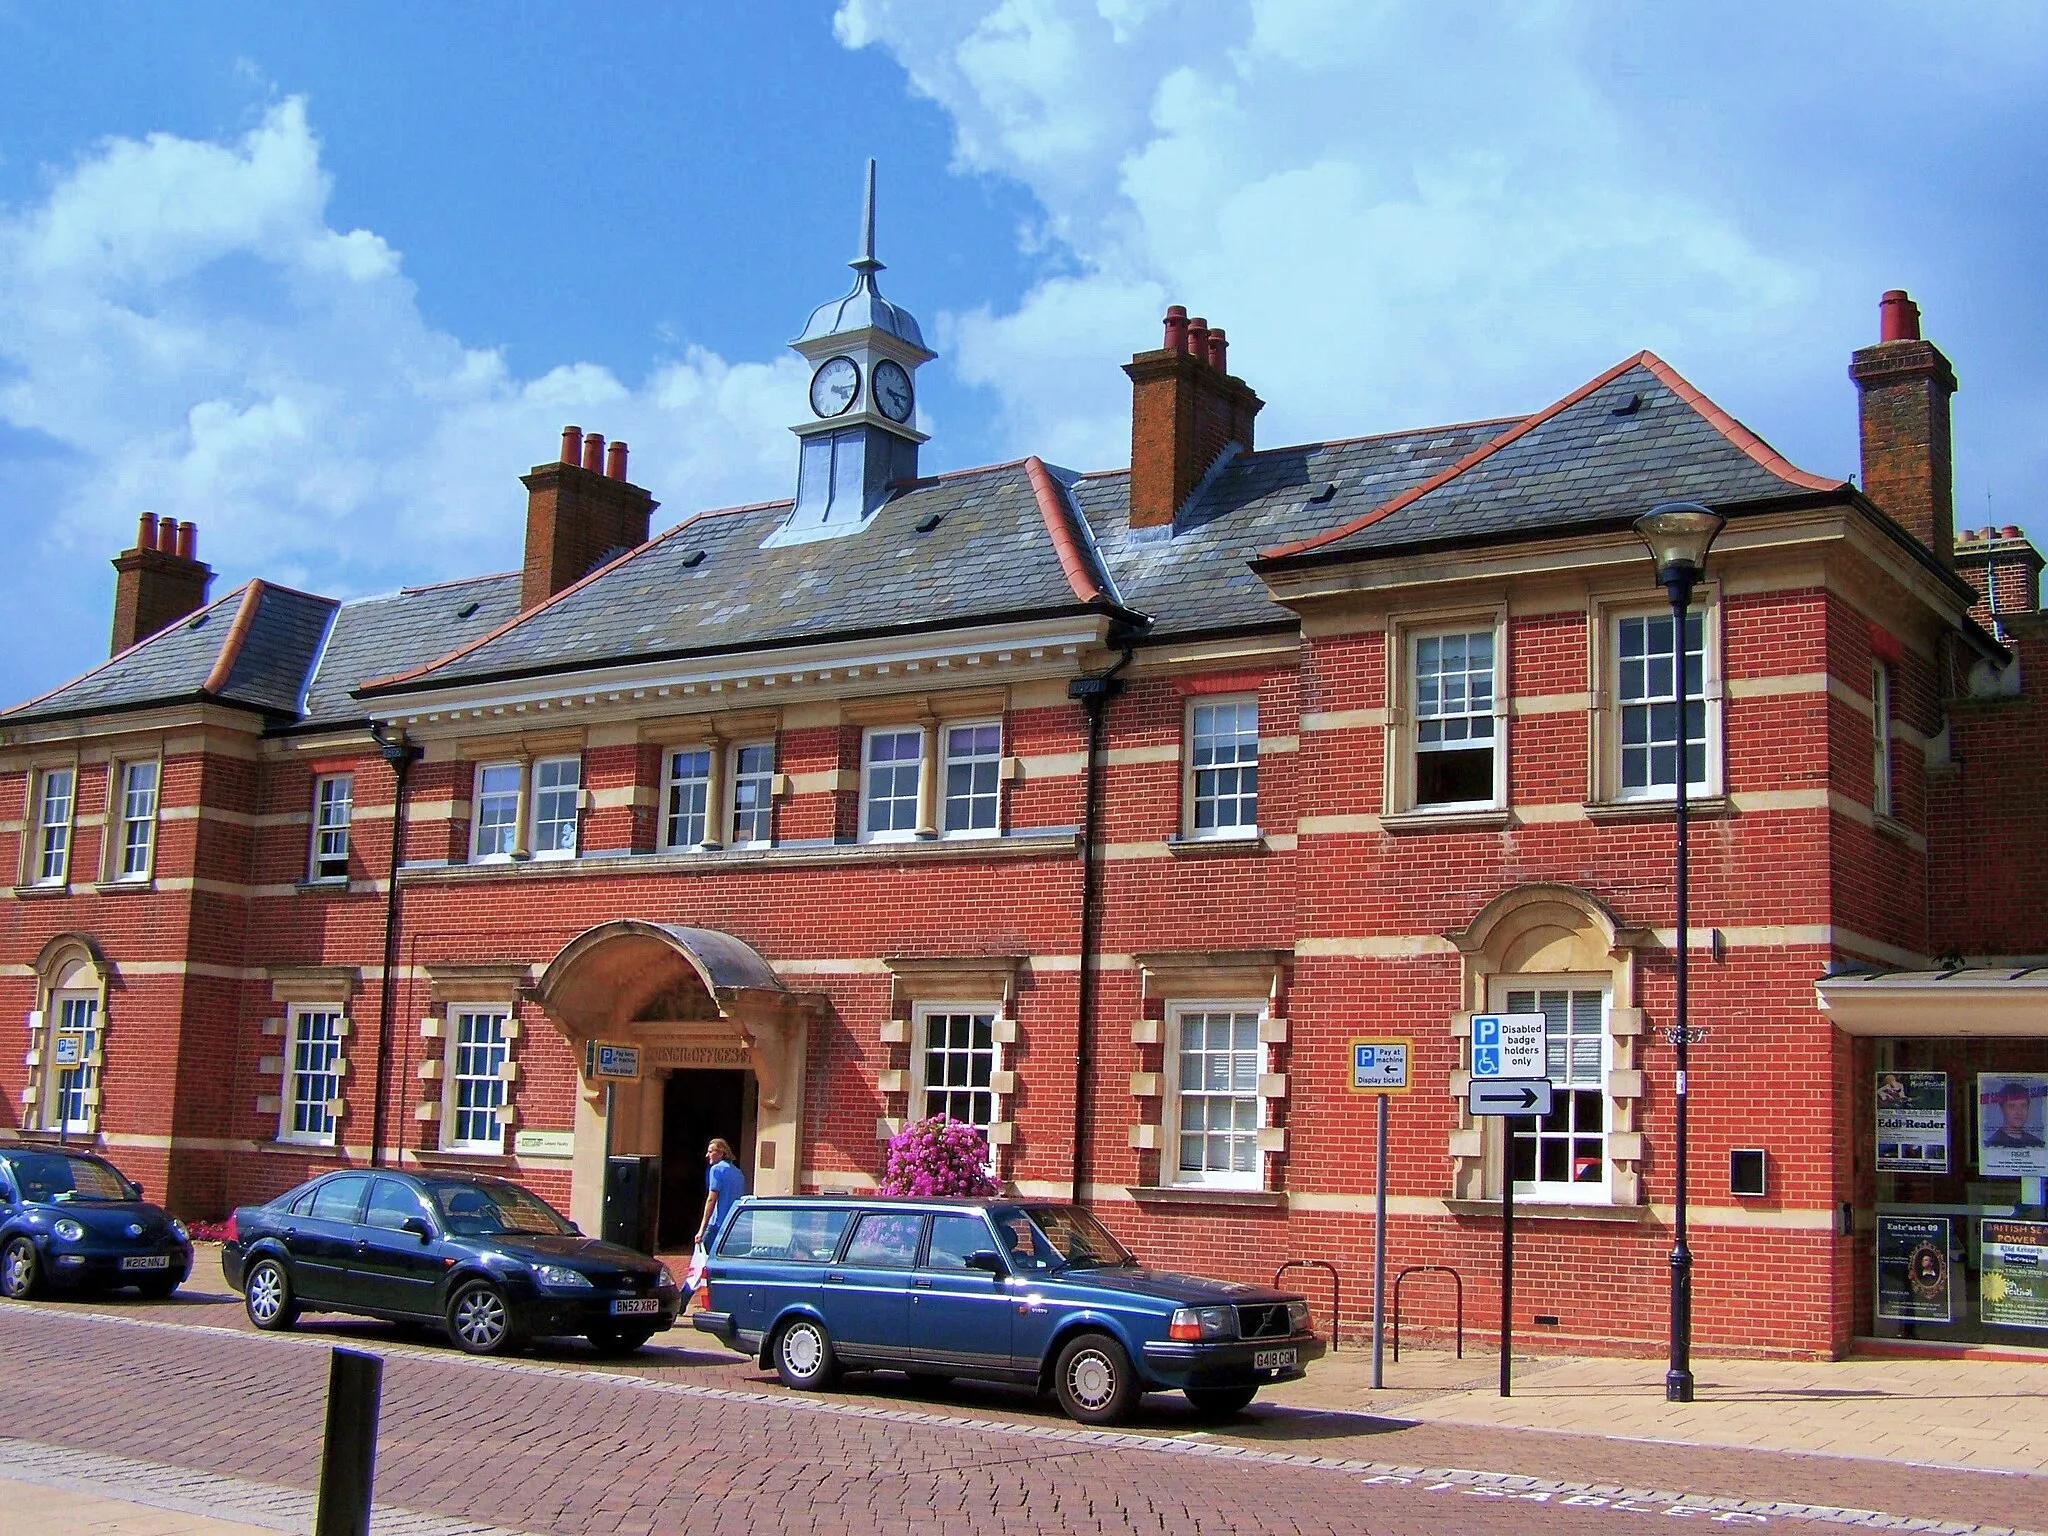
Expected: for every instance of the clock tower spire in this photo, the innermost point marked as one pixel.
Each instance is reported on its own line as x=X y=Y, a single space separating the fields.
x=862 y=435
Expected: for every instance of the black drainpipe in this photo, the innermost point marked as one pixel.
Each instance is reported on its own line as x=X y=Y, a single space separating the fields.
x=1094 y=692
x=401 y=755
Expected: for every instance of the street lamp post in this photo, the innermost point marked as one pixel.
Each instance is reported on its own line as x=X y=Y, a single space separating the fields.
x=1679 y=534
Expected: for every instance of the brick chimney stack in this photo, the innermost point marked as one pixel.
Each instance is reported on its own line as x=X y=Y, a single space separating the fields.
x=1907 y=462
x=580 y=512
x=1185 y=410
x=157 y=582
x=2005 y=568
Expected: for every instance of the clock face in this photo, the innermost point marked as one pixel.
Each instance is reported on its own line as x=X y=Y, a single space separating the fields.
x=892 y=390
x=835 y=386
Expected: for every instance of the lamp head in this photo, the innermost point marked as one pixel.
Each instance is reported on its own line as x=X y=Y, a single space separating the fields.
x=1679 y=533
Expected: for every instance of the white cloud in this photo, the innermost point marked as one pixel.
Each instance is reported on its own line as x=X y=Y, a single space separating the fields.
x=181 y=331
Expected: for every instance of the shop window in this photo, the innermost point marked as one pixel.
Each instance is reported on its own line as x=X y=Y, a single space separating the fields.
x=973 y=778
x=313 y=1076
x=1456 y=739
x=557 y=800
x=1222 y=786
x=334 y=800
x=474 y=1100
x=955 y=1065
x=687 y=799
x=1214 y=1061
x=1880 y=739
x=51 y=860
x=135 y=834
x=1646 y=661
x=891 y=776
x=753 y=795
x=497 y=811
x=1562 y=1156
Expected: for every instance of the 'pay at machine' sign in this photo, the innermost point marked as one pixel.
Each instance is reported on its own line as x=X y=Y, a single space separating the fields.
x=1507 y=1045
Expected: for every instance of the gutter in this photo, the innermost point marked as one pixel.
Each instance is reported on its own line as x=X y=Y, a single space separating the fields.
x=401 y=755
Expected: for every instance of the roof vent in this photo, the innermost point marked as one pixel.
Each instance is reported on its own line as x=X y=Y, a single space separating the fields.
x=1629 y=406
x=693 y=559
x=466 y=610
x=931 y=522
x=1323 y=493
x=198 y=621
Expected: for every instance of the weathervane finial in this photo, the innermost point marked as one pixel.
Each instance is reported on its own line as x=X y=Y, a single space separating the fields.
x=866 y=262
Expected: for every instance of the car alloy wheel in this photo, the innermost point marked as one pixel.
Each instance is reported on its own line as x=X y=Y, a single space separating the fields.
x=803 y=1355
x=267 y=1295
x=1094 y=1381
x=478 y=1319
x=18 y=1276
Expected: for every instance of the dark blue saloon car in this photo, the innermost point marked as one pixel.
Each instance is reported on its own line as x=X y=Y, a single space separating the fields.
x=1014 y=1291
x=72 y=1220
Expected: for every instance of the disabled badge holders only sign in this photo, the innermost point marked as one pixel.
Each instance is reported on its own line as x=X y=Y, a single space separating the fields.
x=1508 y=1045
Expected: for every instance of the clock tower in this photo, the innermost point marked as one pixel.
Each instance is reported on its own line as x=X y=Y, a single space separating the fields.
x=864 y=354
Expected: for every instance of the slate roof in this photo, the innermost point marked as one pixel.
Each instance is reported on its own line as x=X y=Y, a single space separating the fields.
x=399 y=630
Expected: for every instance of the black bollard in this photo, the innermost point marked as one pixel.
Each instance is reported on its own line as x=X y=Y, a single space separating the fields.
x=348 y=1461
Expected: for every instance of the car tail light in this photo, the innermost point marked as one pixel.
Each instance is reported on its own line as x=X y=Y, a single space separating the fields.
x=234 y=1232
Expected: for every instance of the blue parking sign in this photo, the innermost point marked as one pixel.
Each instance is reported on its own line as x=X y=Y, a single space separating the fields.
x=1380 y=1066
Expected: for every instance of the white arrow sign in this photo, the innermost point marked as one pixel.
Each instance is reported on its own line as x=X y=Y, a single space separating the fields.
x=1510 y=1096
x=1507 y=1045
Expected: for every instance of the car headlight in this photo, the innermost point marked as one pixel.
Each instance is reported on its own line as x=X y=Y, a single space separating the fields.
x=559 y=1277
x=70 y=1231
x=666 y=1280
x=178 y=1229
x=1198 y=1324
x=1297 y=1316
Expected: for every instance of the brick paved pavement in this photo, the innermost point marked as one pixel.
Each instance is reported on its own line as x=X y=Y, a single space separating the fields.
x=689 y=1441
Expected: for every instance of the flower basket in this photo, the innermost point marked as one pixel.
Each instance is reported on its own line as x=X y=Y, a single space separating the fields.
x=938 y=1156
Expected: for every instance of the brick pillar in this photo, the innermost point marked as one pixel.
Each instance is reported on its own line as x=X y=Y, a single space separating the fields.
x=157 y=582
x=580 y=512
x=1185 y=410
x=1905 y=385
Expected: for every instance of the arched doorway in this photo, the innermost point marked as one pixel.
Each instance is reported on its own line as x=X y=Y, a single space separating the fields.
x=722 y=1045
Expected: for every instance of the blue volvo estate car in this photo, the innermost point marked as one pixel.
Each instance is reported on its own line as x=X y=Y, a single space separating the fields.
x=72 y=1220
x=1035 y=1294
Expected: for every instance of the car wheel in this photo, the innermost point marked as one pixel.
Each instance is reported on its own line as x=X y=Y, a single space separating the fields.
x=479 y=1321
x=804 y=1357
x=613 y=1342
x=1094 y=1380
x=21 y=1272
x=158 y=1290
x=1221 y=1402
x=267 y=1296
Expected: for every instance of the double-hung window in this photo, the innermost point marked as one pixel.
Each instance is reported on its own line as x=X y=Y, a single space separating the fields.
x=74 y=1071
x=1214 y=1069
x=478 y=1043
x=956 y=1063
x=1456 y=742
x=557 y=800
x=892 y=770
x=973 y=779
x=334 y=801
x=1880 y=739
x=1223 y=768
x=1563 y=1155
x=136 y=827
x=312 y=1076
x=687 y=800
x=753 y=795
x=497 y=810
x=1647 y=659
x=51 y=859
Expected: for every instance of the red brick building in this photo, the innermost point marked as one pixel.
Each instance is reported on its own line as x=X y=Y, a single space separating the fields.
x=1105 y=810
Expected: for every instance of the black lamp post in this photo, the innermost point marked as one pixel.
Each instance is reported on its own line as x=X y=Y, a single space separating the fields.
x=1679 y=534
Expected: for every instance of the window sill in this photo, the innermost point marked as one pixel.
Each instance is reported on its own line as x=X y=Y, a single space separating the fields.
x=735 y=860
x=1197 y=1194
x=1218 y=847
x=1711 y=807
x=324 y=883
x=41 y=892
x=436 y=1157
x=1893 y=828
x=1487 y=819
x=1536 y=1210
x=123 y=887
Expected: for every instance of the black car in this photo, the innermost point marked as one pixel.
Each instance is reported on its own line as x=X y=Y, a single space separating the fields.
x=492 y=1262
x=73 y=1220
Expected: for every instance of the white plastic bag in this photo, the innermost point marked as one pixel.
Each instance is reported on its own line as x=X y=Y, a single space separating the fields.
x=698 y=1259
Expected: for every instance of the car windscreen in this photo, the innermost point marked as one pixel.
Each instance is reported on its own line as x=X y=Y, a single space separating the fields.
x=52 y=1176
x=1059 y=1237
x=491 y=1208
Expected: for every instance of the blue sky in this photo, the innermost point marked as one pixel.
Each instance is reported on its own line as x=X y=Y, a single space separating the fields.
x=328 y=279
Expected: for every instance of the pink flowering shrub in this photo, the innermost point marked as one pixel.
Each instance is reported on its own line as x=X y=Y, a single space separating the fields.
x=938 y=1156
x=209 y=1231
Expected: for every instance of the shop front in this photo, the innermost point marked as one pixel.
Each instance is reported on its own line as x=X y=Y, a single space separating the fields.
x=1950 y=1125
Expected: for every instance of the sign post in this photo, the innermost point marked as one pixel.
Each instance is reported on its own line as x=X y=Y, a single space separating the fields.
x=1508 y=1067
x=1380 y=1068
x=610 y=1064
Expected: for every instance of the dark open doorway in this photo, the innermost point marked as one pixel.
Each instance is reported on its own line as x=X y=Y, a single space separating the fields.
x=696 y=1106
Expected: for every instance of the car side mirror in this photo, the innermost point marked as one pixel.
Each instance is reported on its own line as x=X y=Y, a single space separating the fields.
x=138 y=1187
x=417 y=1225
x=988 y=1263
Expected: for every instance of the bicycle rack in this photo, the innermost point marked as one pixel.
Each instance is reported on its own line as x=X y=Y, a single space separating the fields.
x=1336 y=1290
x=1429 y=1269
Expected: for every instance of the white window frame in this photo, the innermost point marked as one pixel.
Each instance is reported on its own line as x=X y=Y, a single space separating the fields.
x=492 y=1085
x=921 y=1051
x=1880 y=738
x=868 y=771
x=975 y=761
x=123 y=823
x=514 y=824
x=673 y=782
x=757 y=781
x=300 y=1068
x=50 y=841
x=542 y=796
x=1171 y=1171
x=328 y=822
x=1608 y=617
x=1407 y=797
x=80 y=1082
x=1191 y=775
x=1565 y=1080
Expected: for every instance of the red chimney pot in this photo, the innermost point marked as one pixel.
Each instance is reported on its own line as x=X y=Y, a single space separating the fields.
x=145 y=531
x=2009 y=531
x=1198 y=338
x=615 y=462
x=188 y=541
x=572 y=445
x=1898 y=317
x=167 y=536
x=593 y=452
x=1219 y=350
x=1176 y=327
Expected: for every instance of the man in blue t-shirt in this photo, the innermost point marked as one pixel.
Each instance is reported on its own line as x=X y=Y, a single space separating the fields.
x=723 y=1184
